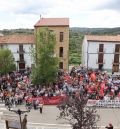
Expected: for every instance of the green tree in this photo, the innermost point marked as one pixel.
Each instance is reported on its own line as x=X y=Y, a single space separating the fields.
x=6 y=61
x=45 y=70
x=75 y=47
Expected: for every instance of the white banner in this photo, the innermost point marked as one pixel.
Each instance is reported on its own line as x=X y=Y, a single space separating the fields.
x=104 y=103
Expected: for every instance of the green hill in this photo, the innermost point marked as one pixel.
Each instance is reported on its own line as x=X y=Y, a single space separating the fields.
x=18 y=31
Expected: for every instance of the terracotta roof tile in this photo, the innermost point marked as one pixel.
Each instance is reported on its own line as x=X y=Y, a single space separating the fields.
x=103 y=38
x=17 y=39
x=53 y=22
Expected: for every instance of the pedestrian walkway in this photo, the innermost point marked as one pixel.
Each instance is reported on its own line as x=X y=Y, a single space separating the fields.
x=48 y=120
x=2 y=104
x=2 y=125
x=2 y=109
x=48 y=126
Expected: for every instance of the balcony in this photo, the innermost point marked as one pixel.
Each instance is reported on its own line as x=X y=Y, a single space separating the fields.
x=21 y=51
x=116 y=52
x=21 y=61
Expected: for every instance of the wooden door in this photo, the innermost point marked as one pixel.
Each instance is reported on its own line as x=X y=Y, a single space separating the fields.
x=21 y=66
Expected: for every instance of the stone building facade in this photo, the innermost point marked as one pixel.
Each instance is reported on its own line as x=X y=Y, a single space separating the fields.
x=21 y=44
x=60 y=26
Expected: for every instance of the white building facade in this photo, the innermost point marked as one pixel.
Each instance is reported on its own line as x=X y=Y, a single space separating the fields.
x=20 y=46
x=101 y=52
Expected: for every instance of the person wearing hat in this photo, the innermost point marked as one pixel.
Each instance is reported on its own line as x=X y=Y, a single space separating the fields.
x=110 y=126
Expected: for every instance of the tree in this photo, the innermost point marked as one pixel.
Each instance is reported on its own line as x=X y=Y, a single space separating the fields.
x=76 y=38
x=6 y=61
x=45 y=70
x=75 y=111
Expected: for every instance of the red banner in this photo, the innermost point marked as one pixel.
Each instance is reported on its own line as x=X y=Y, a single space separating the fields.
x=48 y=100
x=53 y=100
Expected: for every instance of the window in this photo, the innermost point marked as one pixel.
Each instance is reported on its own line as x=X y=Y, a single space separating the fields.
x=61 y=36
x=101 y=46
x=60 y=65
x=21 y=57
x=100 y=58
x=116 y=58
x=117 y=48
x=61 y=52
x=21 y=47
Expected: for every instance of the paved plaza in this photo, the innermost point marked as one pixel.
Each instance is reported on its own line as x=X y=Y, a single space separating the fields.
x=50 y=113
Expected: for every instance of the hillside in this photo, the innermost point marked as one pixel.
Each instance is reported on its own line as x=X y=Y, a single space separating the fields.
x=76 y=37
x=100 y=31
x=18 y=31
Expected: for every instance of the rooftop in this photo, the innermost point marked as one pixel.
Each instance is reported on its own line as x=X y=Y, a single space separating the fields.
x=17 y=39
x=52 y=22
x=105 y=38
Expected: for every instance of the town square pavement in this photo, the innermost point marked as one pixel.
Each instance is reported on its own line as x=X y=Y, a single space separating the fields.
x=51 y=113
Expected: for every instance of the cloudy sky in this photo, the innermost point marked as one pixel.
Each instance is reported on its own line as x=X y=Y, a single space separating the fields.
x=82 y=13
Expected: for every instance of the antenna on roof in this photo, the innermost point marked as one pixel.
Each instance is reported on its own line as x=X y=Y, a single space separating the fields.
x=40 y=16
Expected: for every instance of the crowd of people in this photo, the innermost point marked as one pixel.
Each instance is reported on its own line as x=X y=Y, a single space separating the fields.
x=97 y=85
x=13 y=87
x=16 y=88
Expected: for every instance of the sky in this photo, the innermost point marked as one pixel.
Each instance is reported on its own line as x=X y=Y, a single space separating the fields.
x=16 y=14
